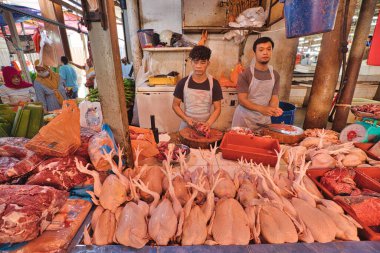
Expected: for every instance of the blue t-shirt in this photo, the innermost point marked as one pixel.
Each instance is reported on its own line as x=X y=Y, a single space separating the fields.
x=67 y=74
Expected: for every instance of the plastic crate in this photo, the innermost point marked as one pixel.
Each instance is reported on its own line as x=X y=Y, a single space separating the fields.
x=288 y=116
x=363 y=182
x=258 y=149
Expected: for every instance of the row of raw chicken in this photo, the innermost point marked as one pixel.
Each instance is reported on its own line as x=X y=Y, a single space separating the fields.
x=163 y=205
x=323 y=149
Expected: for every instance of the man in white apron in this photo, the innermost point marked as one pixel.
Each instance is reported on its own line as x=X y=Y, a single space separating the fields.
x=258 y=88
x=199 y=92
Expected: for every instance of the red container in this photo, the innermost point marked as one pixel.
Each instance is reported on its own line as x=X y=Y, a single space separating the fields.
x=366 y=147
x=258 y=149
x=362 y=181
x=372 y=173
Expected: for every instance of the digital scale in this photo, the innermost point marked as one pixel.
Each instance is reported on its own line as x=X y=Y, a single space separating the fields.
x=366 y=130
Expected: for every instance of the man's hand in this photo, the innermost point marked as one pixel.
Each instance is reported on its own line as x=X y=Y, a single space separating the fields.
x=189 y=121
x=279 y=112
x=269 y=111
x=205 y=127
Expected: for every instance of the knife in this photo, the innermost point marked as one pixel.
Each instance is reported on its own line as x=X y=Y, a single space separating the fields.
x=274 y=129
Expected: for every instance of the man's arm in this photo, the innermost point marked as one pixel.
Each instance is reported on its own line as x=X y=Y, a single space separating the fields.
x=176 y=106
x=78 y=66
x=214 y=115
x=274 y=101
x=265 y=110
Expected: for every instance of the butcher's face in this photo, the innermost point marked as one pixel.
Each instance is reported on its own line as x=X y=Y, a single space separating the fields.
x=199 y=66
x=263 y=52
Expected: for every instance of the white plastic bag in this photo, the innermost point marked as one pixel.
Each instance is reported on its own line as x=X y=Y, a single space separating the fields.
x=91 y=115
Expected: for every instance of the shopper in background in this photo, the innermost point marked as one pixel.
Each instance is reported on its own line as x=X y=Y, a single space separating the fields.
x=15 y=91
x=49 y=91
x=68 y=78
x=306 y=61
x=258 y=89
x=199 y=92
x=90 y=73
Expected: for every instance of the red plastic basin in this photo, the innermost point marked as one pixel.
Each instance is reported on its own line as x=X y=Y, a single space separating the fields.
x=257 y=149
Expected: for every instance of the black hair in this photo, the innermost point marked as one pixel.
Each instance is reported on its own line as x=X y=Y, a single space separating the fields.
x=64 y=60
x=200 y=53
x=307 y=55
x=261 y=41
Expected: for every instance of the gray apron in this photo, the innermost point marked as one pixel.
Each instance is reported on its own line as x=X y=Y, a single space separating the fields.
x=197 y=102
x=260 y=92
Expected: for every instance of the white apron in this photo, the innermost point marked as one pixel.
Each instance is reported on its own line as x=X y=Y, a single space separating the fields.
x=197 y=102
x=259 y=92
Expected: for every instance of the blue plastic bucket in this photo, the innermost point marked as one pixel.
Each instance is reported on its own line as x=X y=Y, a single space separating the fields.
x=306 y=17
x=288 y=116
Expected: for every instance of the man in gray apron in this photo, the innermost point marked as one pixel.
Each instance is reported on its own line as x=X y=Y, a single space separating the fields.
x=258 y=88
x=199 y=92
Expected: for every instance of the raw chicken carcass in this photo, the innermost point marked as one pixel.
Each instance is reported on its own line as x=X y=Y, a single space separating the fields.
x=115 y=189
x=226 y=188
x=346 y=230
x=27 y=210
x=132 y=228
x=276 y=226
x=152 y=177
x=230 y=225
x=105 y=228
x=196 y=218
x=321 y=226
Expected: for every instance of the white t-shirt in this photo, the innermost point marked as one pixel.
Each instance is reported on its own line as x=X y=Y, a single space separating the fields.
x=14 y=96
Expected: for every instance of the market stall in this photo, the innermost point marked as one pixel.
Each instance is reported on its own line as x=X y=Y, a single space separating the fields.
x=80 y=179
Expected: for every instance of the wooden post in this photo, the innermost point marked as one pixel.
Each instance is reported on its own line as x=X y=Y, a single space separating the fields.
x=52 y=53
x=134 y=26
x=107 y=64
x=327 y=71
x=362 y=29
x=61 y=19
x=16 y=42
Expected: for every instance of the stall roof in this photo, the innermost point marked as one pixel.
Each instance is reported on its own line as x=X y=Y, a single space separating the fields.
x=20 y=17
x=22 y=13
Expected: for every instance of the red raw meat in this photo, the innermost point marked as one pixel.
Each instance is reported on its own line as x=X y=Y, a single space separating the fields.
x=5 y=164
x=27 y=210
x=340 y=182
x=85 y=136
x=28 y=161
x=366 y=208
x=60 y=173
x=14 y=141
x=198 y=127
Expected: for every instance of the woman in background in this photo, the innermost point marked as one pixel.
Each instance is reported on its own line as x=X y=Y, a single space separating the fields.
x=15 y=91
x=49 y=91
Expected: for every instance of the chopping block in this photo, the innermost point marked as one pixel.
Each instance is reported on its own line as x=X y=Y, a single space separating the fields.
x=190 y=138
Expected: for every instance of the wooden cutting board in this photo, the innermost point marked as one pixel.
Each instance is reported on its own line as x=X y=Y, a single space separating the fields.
x=62 y=230
x=190 y=138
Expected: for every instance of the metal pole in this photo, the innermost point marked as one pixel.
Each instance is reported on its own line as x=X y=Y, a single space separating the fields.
x=327 y=71
x=134 y=26
x=363 y=26
x=7 y=15
x=127 y=36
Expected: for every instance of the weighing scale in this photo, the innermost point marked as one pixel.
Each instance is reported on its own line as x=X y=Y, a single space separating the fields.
x=366 y=130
